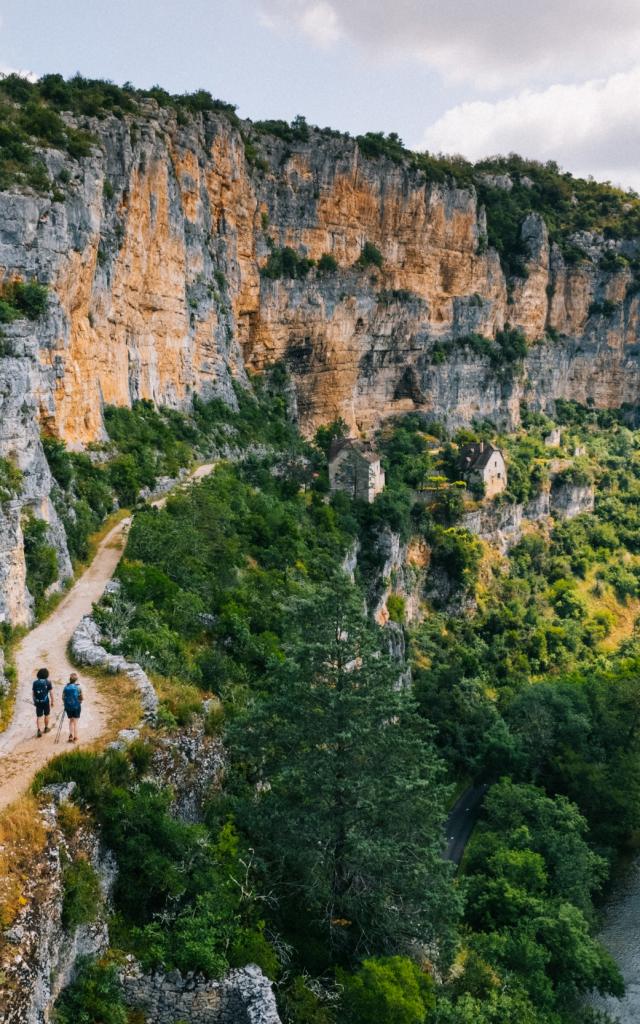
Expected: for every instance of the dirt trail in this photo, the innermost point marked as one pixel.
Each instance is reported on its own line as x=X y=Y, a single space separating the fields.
x=21 y=752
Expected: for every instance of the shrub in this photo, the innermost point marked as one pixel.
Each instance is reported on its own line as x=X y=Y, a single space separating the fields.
x=81 y=894
x=40 y=557
x=377 y=144
x=387 y=990
x=286 y=263
x=302 y=1006
x=396 y=607
x=388 y=297
x=370 y=256
x=297 y=131
x=327 y=264
x=20 y=299
x=603 y=308
x=250 y=946
x=93 y=998
x=10 y=480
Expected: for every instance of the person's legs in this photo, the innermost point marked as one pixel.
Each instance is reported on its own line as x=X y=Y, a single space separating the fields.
x=43 y=712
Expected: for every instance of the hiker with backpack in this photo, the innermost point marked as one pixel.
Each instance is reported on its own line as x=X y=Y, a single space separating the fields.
x=42 y=690
x=72 y=700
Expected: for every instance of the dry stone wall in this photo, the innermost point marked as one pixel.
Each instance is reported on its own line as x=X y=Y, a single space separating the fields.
x=244 y=996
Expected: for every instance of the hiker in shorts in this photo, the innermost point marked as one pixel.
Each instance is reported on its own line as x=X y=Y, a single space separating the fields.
x=42 y=690
x=72 y=700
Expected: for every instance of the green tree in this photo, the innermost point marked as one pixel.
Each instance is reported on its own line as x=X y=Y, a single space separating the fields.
x=387 y=990
x=347 y=801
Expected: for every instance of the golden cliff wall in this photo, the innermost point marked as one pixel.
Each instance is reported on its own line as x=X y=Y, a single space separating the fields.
x=152 y=250
x=154 y=260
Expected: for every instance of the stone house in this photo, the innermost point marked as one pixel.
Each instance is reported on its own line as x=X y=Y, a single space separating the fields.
x=480 y=462
x=354 y=467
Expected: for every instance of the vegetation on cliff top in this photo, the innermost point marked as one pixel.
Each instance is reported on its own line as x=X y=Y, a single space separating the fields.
x=509 y=187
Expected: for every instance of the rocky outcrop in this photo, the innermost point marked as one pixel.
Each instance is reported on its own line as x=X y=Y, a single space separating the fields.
x=193 y=763
x=401 y=573
x=502 y=524
x=152 y=251
x=38 y=954
x=568 y=500
x=244 y=996
x=86 y=649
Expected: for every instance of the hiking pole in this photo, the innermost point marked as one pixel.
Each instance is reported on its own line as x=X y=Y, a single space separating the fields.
x=57 y=739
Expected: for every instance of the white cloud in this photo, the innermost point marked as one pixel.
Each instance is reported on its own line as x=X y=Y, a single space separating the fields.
x=491 y=43
x=589 y=128
x=320 y=22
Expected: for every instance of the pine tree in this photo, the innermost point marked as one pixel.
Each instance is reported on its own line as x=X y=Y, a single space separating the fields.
x=346 y=800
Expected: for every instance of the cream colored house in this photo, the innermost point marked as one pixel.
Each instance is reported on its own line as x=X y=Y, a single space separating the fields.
x=481 y=462
x=355 y=468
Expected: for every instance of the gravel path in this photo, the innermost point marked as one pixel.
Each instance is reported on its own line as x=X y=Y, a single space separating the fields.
x=21 y=752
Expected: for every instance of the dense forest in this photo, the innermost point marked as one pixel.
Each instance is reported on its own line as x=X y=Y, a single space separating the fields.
x=340 y=773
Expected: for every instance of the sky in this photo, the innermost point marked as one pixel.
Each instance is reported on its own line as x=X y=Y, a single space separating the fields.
x=558 y=79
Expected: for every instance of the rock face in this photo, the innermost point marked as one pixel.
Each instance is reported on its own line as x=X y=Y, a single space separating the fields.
x=39 y=956
x=153 y=262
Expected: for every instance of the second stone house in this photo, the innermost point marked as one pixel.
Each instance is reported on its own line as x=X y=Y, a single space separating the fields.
x=481 y=463
x=355 y=468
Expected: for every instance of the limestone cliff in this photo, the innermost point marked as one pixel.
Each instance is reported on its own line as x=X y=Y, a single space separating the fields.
x=152 y=249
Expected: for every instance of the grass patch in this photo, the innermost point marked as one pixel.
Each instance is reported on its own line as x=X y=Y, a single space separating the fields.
x=82 y=897
x=22 y=839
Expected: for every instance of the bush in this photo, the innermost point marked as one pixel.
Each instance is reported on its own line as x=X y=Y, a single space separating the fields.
x=250 y=946
x=387 y=990
x=40 y=558
x=396 y=607
x=603 y=308
x=10 y=480
x=82 y=897
x=94 y=997
x=286 y=263
x=20 y=299
x=297 y=131
x=370 y=256
x=301 y=1005
x=377 y=144
x=327 y=264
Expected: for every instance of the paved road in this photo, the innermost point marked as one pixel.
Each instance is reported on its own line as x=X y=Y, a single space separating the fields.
x=462 y=821
x=21 y=753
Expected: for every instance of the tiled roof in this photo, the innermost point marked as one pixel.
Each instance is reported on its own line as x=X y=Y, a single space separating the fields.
x=474 y=457
x=364 y=450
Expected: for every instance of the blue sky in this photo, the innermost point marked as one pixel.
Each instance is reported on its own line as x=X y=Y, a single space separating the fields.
x=558 y=80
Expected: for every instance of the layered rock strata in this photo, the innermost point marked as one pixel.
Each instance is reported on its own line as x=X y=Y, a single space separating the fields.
x=153 y=249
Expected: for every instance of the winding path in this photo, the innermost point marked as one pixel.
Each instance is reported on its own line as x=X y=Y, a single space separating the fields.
x=21 y=753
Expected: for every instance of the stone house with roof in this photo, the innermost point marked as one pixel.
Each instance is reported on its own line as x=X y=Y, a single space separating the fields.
x=355 y=468
x=481 y=462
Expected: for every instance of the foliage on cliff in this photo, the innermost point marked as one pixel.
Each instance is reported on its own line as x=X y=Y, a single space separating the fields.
x=34 y=118
x=337 y=776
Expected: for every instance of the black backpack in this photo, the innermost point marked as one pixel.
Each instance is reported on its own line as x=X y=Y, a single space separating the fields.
x=41 y=691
